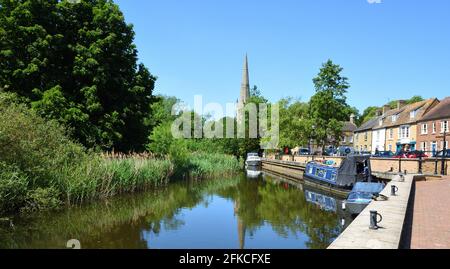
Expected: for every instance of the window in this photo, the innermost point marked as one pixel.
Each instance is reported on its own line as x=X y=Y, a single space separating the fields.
x=380 y=122
x=413 y=114
x=351 y=139
x=424 y=129
x=365 y=136
x=404 y=132
x=434 y=127
x=394 y=118
x=357 y=137
x=344 y=140
x=390 y=147
x=444 y=126
x=424 y=146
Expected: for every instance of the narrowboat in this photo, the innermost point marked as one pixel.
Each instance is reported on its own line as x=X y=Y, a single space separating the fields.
x=361 y=196
x=353 y=169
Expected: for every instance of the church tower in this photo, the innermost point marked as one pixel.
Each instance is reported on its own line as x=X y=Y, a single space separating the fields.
x=245 y=90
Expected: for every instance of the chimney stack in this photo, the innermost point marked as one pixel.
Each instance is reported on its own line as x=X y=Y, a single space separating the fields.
x=401 y=104
x=386 y=108
x=379 y=112
x=352 y=118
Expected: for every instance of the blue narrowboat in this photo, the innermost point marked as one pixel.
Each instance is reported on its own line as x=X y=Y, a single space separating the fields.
x=353 y=169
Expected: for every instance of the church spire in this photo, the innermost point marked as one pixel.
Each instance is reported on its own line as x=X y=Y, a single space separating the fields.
x=245 y=86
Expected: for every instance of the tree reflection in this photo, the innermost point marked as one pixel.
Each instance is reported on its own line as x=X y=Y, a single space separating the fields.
x=122 y=222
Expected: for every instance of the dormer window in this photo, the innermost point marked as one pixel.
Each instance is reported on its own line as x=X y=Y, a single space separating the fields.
x=394 y=118
x=380 y=122
x=413 y=114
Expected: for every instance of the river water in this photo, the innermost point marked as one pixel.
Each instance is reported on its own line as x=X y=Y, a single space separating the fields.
x=249 y=211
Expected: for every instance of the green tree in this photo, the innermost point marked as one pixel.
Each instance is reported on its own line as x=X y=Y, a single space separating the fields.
x=295 y=124
x=328 y=108
x=369 y=113
x=76 y=62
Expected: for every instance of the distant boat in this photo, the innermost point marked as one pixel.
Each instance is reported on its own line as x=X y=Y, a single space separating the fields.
x=253 y=159
x=354 y=168
x=253 y=171
x=361 y=196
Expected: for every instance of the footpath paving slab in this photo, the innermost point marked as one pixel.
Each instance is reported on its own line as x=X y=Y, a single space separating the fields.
x=359 y=236
x=431 y=216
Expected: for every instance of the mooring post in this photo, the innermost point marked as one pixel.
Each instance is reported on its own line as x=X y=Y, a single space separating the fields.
x=435 y=166
x=444 y=152
x=420 y=164
x=374 y=220
x=400 y=164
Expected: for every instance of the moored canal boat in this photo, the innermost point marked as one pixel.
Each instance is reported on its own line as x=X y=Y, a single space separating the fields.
x=353 y=169
x=362 y=194
x=253 y=159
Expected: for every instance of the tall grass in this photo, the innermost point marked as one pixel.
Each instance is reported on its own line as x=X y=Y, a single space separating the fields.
x=204 y=165
x=42 y=169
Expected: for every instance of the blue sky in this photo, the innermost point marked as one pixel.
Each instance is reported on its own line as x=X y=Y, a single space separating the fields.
x=392 y=50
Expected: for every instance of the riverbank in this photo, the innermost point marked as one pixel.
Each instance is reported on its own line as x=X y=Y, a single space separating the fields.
x=42 y=169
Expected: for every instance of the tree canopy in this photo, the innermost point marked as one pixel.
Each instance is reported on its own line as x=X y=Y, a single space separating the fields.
x=328 y=108
x=75 y=61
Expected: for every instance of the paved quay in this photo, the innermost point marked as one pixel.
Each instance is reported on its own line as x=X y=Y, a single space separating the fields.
x=389 y=235
x=431 y=217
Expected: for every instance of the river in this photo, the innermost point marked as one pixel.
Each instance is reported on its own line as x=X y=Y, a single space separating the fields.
x=251 y=211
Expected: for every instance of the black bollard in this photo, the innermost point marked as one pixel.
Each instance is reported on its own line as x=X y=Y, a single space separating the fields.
x=394 y=190
x=374 y=220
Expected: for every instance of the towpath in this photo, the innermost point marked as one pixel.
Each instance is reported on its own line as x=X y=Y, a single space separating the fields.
x=431 y=218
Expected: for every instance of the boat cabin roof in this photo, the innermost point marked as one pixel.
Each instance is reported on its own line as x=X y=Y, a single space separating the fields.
x=368 y=187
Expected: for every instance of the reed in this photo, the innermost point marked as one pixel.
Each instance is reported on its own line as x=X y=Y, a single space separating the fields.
x=42 y=169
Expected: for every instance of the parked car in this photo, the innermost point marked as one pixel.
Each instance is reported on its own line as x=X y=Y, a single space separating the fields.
x=440 y=153
x=303 y=151
x=384 y=154
x=416 y=154
x=344 y=151
x=411 y=154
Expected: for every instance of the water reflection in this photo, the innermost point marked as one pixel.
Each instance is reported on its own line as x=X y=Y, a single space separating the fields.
x=257 y=212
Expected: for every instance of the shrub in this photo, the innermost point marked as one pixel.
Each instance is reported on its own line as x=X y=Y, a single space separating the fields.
x=13 y=188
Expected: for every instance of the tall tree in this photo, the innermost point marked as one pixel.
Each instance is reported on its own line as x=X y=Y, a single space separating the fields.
x=328 y=108
x=75 y=61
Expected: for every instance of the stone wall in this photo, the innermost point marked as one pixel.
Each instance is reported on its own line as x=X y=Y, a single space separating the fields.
x=411 y=166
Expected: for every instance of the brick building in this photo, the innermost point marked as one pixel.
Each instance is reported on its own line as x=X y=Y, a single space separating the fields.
x=430 y=131
x=401 y=126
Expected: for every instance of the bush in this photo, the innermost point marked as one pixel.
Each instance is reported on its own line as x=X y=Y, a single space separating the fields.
x=42 y=200
x=13 y=188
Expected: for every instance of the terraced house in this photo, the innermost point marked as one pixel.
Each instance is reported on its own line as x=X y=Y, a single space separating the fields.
x=363 y=136
x=401 y=124
x=379 y=131
x=430 y=134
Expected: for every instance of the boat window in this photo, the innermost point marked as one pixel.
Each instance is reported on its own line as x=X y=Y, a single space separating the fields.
x=333 y=177
x=320 y=172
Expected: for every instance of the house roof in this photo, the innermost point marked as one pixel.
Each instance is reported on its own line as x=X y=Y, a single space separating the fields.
x=349 y=127
x=404 y=114
x=440 y=111
x=368 y=125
